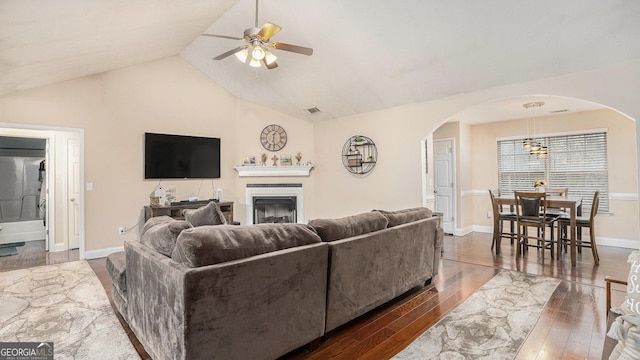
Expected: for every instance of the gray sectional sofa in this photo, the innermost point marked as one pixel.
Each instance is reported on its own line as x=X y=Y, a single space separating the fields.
x=376 y=256
x=200 y=289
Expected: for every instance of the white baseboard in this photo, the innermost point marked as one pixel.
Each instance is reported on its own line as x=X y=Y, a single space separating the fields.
x=463 y=231
x=621 y=243
x=483 y=229
x=100 y=253
x=604 y=241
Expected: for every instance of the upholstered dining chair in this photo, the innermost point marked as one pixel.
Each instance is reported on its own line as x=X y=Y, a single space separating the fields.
x=499 y=218
x=581 y=222
x=531 y=212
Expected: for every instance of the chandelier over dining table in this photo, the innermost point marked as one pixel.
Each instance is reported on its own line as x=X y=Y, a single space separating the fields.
x=530 y=143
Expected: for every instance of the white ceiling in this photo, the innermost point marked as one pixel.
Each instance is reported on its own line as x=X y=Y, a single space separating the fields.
x=368 y=55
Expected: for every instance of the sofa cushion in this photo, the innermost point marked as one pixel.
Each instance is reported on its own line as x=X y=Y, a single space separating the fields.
x=116 y=267
x=349 y=226
x=208 y=245
x=160 y=233
x=209 y=214
x=399 y=217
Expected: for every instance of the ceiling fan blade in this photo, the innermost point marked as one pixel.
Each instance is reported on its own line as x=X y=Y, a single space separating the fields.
x=229 y=53
x=222 y=36
x=273 y=65
x=293 y=48
x=268 y=30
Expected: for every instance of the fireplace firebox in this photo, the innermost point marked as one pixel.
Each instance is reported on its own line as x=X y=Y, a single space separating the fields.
x=274 y=209
x=274 y=203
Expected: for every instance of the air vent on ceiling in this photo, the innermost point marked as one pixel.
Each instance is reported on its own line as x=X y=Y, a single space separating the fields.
x=558 y=111
x=313 y=110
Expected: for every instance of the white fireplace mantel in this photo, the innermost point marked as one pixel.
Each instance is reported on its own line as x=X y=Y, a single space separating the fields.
x=302 y=170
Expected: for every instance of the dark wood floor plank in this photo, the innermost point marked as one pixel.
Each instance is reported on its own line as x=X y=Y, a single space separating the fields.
x=572 y=324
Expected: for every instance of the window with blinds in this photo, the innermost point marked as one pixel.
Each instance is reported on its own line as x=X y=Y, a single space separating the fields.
x=577 y=162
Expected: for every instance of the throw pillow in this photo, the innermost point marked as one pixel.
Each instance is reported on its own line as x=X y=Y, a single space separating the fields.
x=349 y=226
x=206 y=215
x=632 y=299
x=626 y=328
x=160 y=233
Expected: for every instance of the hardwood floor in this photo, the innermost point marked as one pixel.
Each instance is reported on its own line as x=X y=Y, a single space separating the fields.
x=33 y=254
x=572 y=325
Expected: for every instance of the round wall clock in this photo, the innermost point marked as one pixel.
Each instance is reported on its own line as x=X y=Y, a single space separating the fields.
x=273 y=137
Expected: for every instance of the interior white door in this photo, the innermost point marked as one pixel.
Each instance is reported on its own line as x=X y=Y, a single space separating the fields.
x=444 y=187
x=45 y=186
x=73 y=192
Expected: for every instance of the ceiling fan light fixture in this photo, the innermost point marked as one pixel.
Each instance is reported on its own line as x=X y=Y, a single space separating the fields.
x=270 y=58
x=256 y=42
x=242 y=55
x=254 y=63
x=258 y=53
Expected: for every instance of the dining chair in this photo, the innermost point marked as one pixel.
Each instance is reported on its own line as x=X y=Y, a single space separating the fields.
x=499 y=217
x=581 y=222
x=564 y=192
x=557 y=212
x=531 y=211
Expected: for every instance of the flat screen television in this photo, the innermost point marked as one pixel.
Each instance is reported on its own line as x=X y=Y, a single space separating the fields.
x=181 y=157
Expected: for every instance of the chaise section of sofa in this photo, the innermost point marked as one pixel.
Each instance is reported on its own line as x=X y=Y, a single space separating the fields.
x=371 y=263
x=228 y=292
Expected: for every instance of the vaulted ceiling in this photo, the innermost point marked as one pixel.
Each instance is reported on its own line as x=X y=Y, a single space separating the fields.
x=368 y=55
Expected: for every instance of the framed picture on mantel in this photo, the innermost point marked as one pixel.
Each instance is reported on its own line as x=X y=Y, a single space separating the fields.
x=285 y=160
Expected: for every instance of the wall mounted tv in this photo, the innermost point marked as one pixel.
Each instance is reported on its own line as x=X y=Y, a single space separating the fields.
x=181 y=157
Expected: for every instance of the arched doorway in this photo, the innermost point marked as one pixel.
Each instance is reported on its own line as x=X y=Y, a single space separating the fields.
x=478 y=127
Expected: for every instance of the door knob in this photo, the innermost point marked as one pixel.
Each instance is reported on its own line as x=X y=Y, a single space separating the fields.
x=72 y=199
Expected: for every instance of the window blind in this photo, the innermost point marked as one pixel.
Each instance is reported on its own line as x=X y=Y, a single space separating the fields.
x=577 y=162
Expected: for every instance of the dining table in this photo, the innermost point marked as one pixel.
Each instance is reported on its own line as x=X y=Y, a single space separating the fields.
x=571 y=203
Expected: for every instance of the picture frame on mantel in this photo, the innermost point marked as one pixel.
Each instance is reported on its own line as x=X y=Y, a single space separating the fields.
x=286 y=160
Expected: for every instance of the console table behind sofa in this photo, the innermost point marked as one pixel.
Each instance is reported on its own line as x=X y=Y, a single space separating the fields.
x=175 y=211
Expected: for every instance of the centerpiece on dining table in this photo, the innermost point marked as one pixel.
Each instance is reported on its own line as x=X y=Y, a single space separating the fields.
x=539 y=183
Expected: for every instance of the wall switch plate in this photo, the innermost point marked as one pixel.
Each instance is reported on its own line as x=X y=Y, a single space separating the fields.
x=489 y=214
x=89 y=186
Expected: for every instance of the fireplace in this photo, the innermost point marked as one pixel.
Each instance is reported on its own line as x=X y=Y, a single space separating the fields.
x=274 y=203
x=274 y=209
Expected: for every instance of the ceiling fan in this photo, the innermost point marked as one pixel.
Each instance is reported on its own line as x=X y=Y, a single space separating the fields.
x=257 y=41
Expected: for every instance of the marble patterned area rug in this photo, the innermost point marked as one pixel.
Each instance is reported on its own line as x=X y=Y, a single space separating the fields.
x=64 y=304
x=492 y=323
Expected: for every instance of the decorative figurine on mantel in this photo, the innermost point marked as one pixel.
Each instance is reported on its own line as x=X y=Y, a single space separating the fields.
x=264 y=159
x=275 y=160
x=298 y=158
